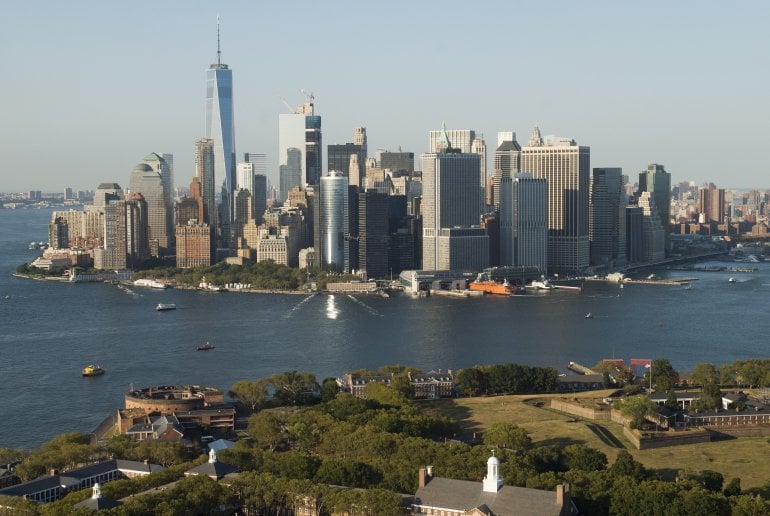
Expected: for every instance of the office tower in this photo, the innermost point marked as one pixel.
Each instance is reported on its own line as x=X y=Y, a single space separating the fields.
x=220 y=127
x=507 y=162
x=711 y=204
x=244 y=177
x=634 y=234
x=301 y=130
x=524 y=221
x=490 y=223
x=113 y=253
x=58 y=234
x=654 y=238
x=259 y=197
x=479 y=146
x=451 y=210
x=149 y=183
x=359 y=138
x=187 y=209
x=204 y=173
x=257 y=159
x=399 y=163
x=331 y=239
x=67 y=193
x=462 y=139
x=658 y=182
x=607 y=218
x=566 y=168
x=339 y=158
x=193 y=245
x=290 y=172
x=105 y=193
x=169 y=177
x=137 y=230
x=243 y=208
x=164 y=168
x=196 y=196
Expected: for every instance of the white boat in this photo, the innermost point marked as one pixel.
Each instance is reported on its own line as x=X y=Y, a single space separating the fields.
x=540 y=285
x=731 y=280
x=150 y=283
x=589 y=315
x=162 y=307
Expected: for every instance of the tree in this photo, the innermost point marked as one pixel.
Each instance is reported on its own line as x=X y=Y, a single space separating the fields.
x=251 y=394
x=577 y=456
x=294 y=388
x=664 y=377
x=704 y=373
x=472 y=381
x=626 y=465
x=265 y=429
x=507 y=436
x=671 y=402
x=733 y=487
x=711 y=398
x=637 y=408
x=329 y=389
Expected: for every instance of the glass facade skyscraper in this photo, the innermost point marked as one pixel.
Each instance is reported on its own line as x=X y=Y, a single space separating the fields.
x=220 y=127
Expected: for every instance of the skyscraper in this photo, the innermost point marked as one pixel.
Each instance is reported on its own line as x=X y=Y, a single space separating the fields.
x=711 y=204
x=373 y=234
x=165 y=169
x=331 y=239
x=338 y=157
x=149 y=182
x=658 y=182
x=452 y=238
x=566 y=168
x=290 y=172
x=301 y=131
x=258 y=160
x=524 y=221
x=204 y=172
x=507 y=162
x=607 y=218
x=220 y=127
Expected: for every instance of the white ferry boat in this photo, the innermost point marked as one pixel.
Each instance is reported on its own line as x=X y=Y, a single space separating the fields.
x=163 y=307
x=150 y=283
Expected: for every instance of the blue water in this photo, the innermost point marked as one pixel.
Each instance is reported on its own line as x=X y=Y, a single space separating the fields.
x=49 y=331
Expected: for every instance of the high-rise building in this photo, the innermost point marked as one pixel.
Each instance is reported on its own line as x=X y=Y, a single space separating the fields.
x=126 y=234
x=220 y=127
x=566 y=168
x=257 y=159
x=711 y=204
x=67 y=193
x=607 y=218
x=658 y=182
x=187 y=209
x=149 y=182
x=339 y=158
x=479 y=146
x=105 y=193
x=58 y=234
x=291 y=172
x=301 y=131
x=193 y=245
x=399 y=163
x=165 y=169
x=204 y=172
x=653 y=235
x=634 y=234
x=462 y=139
x=259 y=197
x=196 y=196
x=524 y=221
x=451 y=202
x=331 y=239
x=507 y=162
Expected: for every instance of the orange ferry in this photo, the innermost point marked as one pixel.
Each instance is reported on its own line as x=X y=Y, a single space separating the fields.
x=492 y=287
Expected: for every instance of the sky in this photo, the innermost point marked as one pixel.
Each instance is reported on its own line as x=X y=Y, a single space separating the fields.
x=91 y=87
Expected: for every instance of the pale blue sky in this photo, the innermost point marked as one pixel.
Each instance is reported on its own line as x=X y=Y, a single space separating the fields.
x=91 y=87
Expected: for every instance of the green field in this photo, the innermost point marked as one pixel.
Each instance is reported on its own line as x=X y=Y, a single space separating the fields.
x=745 y=458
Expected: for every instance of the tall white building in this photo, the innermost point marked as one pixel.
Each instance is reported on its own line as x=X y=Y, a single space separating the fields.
x=451 y=201
x=566 y=167
x=607 y=218
x=524 y=221
x=331 y=239
x=653 y=234
x=299 y=131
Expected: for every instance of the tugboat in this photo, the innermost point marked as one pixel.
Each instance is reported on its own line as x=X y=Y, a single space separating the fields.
x=204 y=347
x=92 y=370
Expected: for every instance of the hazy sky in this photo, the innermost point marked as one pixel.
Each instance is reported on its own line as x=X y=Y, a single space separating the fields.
x=91 y=87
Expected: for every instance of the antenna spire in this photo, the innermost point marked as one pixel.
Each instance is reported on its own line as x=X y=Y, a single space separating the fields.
x=219 y=52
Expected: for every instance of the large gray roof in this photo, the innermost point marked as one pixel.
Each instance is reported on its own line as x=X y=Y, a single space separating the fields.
x=464 y=495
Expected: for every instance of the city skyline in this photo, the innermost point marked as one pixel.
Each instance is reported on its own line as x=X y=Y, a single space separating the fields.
x=646 y=84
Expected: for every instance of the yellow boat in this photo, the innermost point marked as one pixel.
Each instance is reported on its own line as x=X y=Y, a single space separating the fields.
x=92 y=370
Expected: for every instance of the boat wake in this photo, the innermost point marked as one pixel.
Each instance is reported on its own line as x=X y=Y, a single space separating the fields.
x=296 y=307
x=366 y=307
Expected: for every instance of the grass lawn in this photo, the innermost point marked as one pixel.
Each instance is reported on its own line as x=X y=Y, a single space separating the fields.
x=745 y=458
